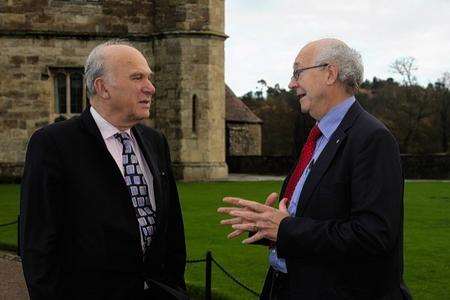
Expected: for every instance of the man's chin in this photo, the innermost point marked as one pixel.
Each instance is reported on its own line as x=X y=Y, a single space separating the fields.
x=304 y=111
x=136 y=118
x=304 y=105
x=304 y=108
x=142 y=115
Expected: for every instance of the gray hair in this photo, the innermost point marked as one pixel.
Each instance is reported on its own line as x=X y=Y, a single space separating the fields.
x=95 y=64
x=348 y=60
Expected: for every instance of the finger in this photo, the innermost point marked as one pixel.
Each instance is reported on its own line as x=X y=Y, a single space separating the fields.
x=235 y=233
x=254 y=238
x=249 y=215
x=271 y=199
x=246 y=227
x=231 y=221
x=255 y=206
x=233 y=200
x=227 y=210
x=283 y=205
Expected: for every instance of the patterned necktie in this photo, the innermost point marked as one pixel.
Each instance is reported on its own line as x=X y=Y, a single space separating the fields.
x=305 y=157
x=138 y=188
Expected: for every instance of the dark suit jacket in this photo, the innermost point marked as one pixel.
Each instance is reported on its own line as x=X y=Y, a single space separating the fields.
x=79 y=237
x=345 y=241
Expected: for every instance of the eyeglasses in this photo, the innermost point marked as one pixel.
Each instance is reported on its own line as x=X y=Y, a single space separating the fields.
x=297 y=72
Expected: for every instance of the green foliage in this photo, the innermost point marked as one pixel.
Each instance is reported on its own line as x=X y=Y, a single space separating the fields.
x=427 y=236
x=284 y=129
x=418 y=117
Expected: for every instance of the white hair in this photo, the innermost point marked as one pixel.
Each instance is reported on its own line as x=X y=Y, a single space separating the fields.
x=348 y=60
x=95 y=64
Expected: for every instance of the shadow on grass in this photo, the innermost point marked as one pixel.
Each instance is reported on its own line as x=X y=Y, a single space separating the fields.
x=8 y=247
x=196 y=292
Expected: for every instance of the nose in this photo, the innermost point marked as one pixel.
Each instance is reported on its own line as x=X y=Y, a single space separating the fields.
x=293 y=84
x=149 y=88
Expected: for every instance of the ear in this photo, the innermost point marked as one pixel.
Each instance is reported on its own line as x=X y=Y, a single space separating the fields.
x=332 y=74
x=101 y=88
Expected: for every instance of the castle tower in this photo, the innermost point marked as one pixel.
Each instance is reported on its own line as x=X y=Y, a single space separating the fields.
x=189 y=76
x=44 y=45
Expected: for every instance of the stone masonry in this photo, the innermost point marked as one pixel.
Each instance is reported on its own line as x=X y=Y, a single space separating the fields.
x=182 y=40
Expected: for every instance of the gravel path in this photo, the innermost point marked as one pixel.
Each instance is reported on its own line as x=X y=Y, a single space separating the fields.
x=12 y=283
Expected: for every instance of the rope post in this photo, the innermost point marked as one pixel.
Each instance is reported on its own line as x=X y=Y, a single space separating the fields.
x=208 y=276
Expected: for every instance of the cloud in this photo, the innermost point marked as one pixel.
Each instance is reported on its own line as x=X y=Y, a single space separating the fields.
x=265 y=36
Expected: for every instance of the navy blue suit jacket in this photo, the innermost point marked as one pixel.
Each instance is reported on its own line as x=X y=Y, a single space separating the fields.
x=79 y=237
x=346 y=239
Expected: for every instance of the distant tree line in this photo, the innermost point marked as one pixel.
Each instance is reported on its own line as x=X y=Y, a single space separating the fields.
x=419 y=117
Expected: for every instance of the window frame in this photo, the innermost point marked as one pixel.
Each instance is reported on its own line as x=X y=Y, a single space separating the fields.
x=67 y=71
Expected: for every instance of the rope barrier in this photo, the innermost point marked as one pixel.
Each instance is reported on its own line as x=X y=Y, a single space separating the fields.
x=234 y=279
x=10 y=223
x=195 y=261
x=228 y=274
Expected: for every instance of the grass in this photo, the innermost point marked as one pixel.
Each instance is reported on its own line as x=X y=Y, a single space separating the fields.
x=9 y=209
x=427 y=239
x=427 y=236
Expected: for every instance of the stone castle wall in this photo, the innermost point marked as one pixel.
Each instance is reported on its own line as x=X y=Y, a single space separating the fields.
x=82 y=16
x=183 y=41
x=244 y=139
x=26 y=86
x=192 y=74
x=190 y=102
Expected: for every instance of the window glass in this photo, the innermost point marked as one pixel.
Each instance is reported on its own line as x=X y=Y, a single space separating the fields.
x=76 y=93
x=194 y=113
x=60 y=93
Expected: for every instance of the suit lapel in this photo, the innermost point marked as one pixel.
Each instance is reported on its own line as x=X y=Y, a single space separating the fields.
x=88 y=124
x=319 y=168
x=150 y=157
x=326 y=157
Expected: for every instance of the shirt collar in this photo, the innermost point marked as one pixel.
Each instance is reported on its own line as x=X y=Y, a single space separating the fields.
x=107 y=130
x=333 y=118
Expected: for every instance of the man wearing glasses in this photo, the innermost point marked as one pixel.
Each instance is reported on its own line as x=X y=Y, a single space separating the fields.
x=338 y=230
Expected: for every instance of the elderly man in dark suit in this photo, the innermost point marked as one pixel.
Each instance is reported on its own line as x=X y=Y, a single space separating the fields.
x=337 y=233
x=100 y=215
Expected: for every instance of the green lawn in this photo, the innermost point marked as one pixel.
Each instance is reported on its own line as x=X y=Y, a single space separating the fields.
x=427 y=235
x=9 y=209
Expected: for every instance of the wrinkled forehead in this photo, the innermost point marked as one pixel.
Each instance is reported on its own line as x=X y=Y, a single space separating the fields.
x=124 y=57
x=305 y=57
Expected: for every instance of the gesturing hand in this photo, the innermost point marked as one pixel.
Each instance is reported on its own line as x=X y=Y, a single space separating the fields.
x=270 y=201
x=247 y=215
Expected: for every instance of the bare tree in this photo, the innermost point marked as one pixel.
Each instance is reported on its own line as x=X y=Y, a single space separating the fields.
x=405 y=67
x=445 y=80
x=263 y=89
x=410 y=104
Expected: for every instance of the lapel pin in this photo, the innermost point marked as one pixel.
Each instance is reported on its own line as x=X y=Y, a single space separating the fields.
x=338 y=140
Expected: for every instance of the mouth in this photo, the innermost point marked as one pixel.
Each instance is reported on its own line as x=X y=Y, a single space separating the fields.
x=144 y=102
x=300 y=96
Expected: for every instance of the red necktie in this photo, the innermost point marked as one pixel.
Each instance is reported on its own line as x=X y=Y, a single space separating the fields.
x=305 y=157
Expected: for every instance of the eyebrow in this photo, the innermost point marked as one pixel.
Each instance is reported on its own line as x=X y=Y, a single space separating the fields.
x=150 y=74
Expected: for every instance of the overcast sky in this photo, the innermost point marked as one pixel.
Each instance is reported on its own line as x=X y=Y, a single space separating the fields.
x=266 y=35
